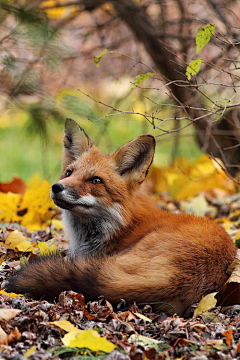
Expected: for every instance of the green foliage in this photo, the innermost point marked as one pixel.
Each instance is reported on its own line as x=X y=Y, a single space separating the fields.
x=237 y=243
x=33 y=46
x=140 y=78
x=39 y=116
x=78 y=107
x=97 y=59
x=193 y=68
x=81 y=354
x=203 y=36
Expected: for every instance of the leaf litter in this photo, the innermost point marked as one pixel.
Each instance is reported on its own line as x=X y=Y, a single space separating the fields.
x=69 y=328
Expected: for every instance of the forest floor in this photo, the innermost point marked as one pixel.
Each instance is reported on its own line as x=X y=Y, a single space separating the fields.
x=69 y=328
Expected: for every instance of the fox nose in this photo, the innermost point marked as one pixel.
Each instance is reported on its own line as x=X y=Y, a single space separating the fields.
x=56 y=188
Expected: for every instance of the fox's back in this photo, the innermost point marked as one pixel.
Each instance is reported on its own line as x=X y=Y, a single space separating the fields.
x=181 y=259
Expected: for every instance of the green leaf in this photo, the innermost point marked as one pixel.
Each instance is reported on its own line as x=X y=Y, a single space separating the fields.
x=203 y=36
x=140 y=78
x=96 y=59
x=237 y=243
x=193 y=68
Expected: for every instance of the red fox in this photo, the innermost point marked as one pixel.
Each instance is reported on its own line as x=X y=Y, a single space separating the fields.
x=121 y=244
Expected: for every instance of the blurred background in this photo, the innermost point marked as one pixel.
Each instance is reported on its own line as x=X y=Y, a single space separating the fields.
x=48 y=73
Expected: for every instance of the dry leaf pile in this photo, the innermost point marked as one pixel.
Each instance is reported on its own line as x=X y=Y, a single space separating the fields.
x=71 y=329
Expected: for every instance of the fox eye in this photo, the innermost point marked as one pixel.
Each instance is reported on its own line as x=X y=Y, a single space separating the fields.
x=95 y=180
x=68 y=173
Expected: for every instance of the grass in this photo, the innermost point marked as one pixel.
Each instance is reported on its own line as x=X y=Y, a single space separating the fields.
x=24 y=154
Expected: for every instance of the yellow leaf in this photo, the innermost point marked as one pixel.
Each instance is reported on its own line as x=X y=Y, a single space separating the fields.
x=90 y=339
x=69 y=337
x=38 y=198
x=66 y=325
x=58 y=13
x=237 y=236
x=31 y=210
x=203 y=176
x=185 y=180
x=37 y=201
x=57 y=223
x=70 y=328
x=30 y=351
x=206 y=303
x=9 y=294
x=198 y=206
x=16 y=241
x=34 y=181
x=9 y=203
x=46 y=249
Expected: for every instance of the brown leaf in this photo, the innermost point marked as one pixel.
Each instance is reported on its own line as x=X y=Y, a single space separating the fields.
x=3 y=337
x=150 y=353
x=230 y=293
x=228 y=334
x=14 y=335
x=17 y=186
x=97 y=312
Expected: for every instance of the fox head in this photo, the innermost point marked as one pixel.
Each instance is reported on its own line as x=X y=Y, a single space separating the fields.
x=91 y=179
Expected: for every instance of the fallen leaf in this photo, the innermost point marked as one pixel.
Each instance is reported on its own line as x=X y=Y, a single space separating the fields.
x=17 y=186
x=216 y=343
x=7 y=314
x=66 y=325
x=3 y=337
x=6 y=339
x=30 y=351
x=3 y=292
x=16 y=241
x=185 y=179
x=70 y=328
x=31 y=209
x=37 y=201
x=34 y=181
x=228 y=334
x=143 y=317
x=230 y=293
x=206 y=303
x=14 y=335
x=66 y=340
x=9 y=206
x=142 y=340
x=46 y=249
x=91 y=340
x=198 y=206
x=14 y=263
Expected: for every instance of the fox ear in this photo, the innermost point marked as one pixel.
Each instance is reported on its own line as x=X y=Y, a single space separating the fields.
x=75 y=142
x=134 y=158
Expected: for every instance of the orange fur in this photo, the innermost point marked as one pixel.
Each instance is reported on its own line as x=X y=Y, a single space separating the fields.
x=121 y=244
